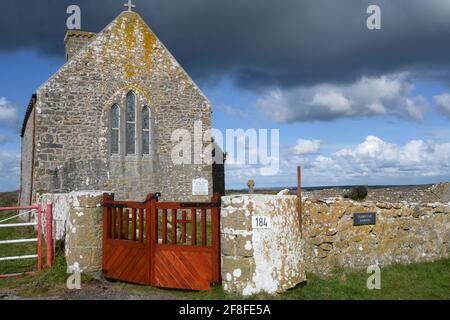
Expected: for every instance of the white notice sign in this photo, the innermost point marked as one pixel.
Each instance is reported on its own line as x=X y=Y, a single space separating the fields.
x=200 y=187
x=261 y=222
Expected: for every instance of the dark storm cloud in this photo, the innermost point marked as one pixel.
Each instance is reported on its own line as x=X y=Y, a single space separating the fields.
x=260 y=42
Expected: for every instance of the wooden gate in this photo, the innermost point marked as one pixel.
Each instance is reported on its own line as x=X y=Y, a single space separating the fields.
x=162 y=244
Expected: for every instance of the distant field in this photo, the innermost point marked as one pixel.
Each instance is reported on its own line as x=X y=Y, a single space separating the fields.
x=9 y=198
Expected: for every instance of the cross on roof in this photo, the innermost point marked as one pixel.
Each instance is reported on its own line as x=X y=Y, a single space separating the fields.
x=129 y=5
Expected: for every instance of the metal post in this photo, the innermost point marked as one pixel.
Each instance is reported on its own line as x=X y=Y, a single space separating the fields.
x=39 y=237
x=49 y=234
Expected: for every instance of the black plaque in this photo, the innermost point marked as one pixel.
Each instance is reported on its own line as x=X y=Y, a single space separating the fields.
x=363 y=219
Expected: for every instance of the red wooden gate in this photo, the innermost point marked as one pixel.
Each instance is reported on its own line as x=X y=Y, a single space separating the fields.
x=162 y=244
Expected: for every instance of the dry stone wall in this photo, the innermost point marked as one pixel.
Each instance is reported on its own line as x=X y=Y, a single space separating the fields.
x=260 y=260
x=404 y=233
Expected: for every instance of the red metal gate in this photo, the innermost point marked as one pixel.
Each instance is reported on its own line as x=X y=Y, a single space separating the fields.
x=162 y=244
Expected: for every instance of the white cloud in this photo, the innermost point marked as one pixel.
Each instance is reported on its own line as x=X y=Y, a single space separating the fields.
x=9 y=114
x=373 y=161
x=9 y=170
x=443 y=103
x=234 y=112
x=388 y=95
x=377 y=160
x=304 y=147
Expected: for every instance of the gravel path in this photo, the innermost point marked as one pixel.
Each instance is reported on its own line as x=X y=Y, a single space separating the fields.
x=97 y=290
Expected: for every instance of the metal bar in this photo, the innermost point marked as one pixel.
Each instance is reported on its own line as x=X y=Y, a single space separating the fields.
x=32 y=256
x=15 y=275
x=36 y=207
x=39 y=238
x=12 y=225
x=18 y=241
x=49 y=234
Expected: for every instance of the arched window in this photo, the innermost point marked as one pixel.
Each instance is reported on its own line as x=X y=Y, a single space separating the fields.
x=146 y=128
x=131 y=123
x=115 y=129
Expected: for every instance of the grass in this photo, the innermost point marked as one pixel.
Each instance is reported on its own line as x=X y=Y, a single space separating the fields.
x=423 y=281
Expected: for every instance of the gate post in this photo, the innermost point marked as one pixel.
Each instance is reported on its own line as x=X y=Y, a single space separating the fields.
x=151 y=233
x=39 y=237
x=49 y=234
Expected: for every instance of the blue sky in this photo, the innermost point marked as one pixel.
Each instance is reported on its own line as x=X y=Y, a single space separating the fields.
x=352 y=106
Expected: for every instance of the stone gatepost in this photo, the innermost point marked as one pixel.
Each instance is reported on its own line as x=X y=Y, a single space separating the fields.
x=262 y=249
x=78 y=220
x=84 y=230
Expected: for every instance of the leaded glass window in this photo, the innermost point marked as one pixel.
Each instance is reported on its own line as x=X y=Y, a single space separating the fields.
x=115 y=129
x=146 y=127
x=131 y=123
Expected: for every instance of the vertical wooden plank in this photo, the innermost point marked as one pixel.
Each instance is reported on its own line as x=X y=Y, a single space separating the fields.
x=133 y=225
x=106 y=223
x=127 y=224
x=120 y=220
x=113 y=223
x=194 y=227
x=141 y=225
x=148 y=238
x=164 y=226
x=183 y=227
x=174 y=226
x=152 y=231
x=203 y=226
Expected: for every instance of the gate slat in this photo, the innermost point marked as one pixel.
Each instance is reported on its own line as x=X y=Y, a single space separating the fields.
x=174 y=226
x=203 y=225
x=127 y=224
x=183 y=227
x=113 y=222
x=141 y=225
x=133 y=225
x=120 y=218
x=164 y=225
x=194 y=227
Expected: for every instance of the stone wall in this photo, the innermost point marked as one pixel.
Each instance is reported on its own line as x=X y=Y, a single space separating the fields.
x=78 y=220
x=26 y=164
x=260 y=260
x=76 y=40
x=72 y=117
x=404 y=233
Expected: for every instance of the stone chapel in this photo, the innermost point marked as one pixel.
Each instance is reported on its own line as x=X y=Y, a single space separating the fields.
x=104 y=120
